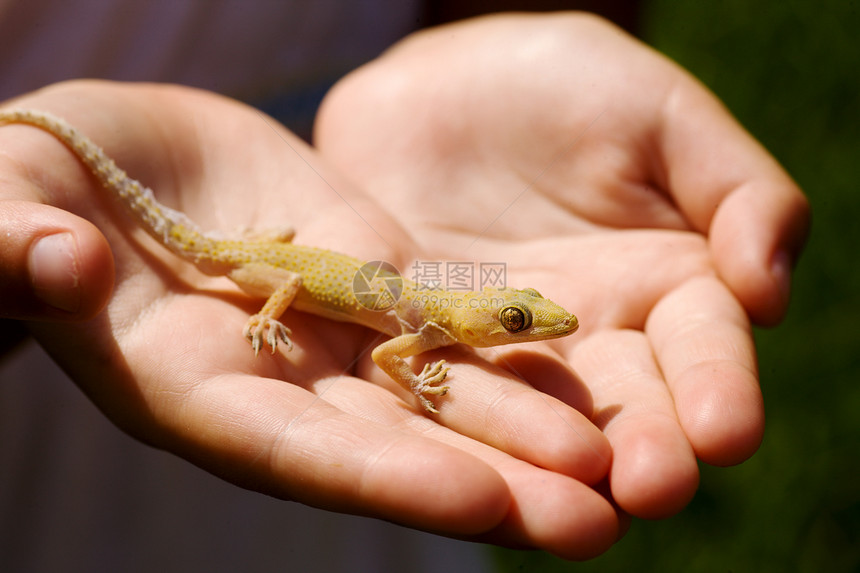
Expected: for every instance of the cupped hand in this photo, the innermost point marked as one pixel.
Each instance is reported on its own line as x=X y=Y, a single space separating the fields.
x=158 y=346
x=610 y=180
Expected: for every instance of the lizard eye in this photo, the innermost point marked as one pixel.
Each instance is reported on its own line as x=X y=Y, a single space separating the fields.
x=515 y=318
x=532 y=292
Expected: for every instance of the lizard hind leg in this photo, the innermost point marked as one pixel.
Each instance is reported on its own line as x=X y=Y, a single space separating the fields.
x=274 y=330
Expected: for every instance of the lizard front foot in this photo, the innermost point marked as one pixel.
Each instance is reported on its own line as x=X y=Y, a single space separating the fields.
x=426 y=383
x=259 y=325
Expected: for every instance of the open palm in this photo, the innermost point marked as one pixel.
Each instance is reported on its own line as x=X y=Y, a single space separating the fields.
x=165 y=359
x=608 y=179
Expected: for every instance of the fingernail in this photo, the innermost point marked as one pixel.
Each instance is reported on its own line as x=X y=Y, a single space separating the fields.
x=55 y=271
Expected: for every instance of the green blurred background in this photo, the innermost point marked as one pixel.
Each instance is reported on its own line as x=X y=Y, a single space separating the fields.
x=790 y=71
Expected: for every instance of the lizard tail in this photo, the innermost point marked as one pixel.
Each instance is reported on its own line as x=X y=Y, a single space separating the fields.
x=168 y=226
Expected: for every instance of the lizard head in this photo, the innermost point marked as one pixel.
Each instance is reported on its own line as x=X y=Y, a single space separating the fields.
x=496 y=316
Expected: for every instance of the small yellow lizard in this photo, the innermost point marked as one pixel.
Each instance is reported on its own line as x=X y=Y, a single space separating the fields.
x=328 y=284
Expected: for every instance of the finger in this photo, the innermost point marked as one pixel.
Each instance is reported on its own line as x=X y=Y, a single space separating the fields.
x=546 y=510
x=756 y=237
x=498 y=408
x=555 y=513
x=654 y=472
x=272 y=436
x=53 y=264
x=733 y=190
x=703 y=343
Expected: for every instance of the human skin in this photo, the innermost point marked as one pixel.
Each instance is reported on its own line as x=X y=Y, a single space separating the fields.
x=639 y=201
x=644 y=209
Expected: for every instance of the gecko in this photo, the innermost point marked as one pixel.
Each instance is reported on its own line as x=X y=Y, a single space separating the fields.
x=326 y=283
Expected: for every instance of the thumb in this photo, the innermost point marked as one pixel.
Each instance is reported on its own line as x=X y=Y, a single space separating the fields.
x=53 y=265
